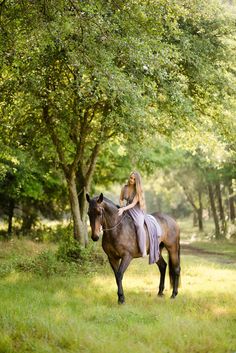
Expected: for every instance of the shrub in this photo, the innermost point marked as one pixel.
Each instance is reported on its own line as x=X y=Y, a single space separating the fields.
x=89 y=258
x=6 y=269
x=70 y=250
x=45 y=264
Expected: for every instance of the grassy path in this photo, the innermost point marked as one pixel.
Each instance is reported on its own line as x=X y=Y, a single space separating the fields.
x=226 y=255
x=80 y=313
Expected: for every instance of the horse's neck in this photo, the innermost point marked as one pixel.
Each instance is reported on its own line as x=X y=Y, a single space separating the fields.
x=110 y=215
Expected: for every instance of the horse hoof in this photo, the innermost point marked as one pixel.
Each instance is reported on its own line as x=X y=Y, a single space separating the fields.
x=121 y=301
x=173 y=296
x=161 y=295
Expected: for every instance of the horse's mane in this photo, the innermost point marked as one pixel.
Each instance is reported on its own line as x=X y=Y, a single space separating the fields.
x=110 y=202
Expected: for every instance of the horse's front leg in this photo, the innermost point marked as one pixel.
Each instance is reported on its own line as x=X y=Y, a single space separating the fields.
x=125 y=261
x=119 y=273
x=115 y=264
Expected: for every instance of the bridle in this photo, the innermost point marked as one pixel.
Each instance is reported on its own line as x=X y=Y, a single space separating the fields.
x=116 y=225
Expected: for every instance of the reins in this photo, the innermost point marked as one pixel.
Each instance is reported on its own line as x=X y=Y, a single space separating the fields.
x=106 y=229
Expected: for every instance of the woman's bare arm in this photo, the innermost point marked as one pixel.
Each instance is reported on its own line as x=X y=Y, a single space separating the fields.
x=131 y=205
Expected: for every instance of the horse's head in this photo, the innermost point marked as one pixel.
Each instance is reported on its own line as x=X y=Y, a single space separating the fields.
x=95 y=215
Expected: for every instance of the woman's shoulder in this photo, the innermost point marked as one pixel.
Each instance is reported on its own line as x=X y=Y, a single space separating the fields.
x=125 y=187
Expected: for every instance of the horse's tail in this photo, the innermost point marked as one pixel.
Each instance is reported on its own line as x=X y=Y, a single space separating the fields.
x=172 y=269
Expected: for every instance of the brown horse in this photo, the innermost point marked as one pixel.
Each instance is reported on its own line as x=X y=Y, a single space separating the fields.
x=120 y=242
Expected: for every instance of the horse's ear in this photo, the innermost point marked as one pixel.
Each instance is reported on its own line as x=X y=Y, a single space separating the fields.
x=87 y=198
x=100 y=199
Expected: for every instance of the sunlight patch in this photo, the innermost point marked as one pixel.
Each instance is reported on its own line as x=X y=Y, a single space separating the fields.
x=13 y=277
x=219 y=311
x=60 y=295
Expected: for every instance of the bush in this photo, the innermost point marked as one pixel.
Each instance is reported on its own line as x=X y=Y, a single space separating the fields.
x=69 y=258
x=88 y=258
x=6 y=269
x=70 y=250
x=45 y=264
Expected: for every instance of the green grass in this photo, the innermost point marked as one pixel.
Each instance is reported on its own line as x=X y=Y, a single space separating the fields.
x=79 y=313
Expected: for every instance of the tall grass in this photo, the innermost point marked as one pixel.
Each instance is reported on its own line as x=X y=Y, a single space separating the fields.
x=79 y=313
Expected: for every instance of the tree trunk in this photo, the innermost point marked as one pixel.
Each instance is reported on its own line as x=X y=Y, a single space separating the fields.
x=195 y=218
x=29 y=218
x=213 y=209
x=200 y=220
x=221 y=209
x=79 y=229
x=197 y=211
x=200 y=212
x=83 y=212
x=231 y=202
x=10 y=216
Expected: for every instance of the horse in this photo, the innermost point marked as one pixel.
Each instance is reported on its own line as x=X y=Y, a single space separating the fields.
x=119 y=242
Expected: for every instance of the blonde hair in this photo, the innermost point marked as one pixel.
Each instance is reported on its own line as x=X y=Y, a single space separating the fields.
x=139 y=189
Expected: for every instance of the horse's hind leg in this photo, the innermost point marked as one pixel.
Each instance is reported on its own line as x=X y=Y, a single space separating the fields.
x=174 y=270
x=162 y=268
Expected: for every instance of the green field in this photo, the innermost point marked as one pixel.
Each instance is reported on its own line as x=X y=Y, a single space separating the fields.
x=79 y=312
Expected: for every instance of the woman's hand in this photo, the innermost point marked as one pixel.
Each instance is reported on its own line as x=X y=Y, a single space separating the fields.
x=120 y=211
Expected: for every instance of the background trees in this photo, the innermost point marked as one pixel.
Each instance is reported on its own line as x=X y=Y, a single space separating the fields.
x=88 y=89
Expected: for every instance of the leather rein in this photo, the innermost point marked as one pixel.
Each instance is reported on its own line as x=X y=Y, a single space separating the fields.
x=116 y=225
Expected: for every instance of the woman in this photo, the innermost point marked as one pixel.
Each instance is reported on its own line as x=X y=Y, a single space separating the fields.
x=133 y=194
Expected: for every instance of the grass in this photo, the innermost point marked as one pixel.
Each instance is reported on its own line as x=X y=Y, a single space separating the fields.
x=79 y=313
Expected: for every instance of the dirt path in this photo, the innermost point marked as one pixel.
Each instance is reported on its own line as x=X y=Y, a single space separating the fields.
x=217 y=256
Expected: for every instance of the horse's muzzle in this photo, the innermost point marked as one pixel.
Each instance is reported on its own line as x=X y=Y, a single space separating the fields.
x=95 y=237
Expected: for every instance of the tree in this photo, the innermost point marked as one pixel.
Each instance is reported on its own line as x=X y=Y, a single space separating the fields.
x=76 y=75
x=27 y=185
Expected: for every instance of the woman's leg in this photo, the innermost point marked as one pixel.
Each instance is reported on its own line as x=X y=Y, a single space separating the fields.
x=138 y=218
x=141 y=234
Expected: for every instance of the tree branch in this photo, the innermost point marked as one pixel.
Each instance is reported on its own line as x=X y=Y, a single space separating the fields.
x=55 y=139
x=92 y=164
x=189 y=198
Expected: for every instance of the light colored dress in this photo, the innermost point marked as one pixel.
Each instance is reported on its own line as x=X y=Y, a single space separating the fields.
x=140 y=217
x=137 y=215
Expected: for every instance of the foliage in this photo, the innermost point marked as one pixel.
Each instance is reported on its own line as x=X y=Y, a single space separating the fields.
x=43 y=259
x=28 y=187
x=95 y=85
x=70 y=251
x=45 y=264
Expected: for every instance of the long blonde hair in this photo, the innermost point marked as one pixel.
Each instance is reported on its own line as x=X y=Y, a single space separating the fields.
x=139 y=189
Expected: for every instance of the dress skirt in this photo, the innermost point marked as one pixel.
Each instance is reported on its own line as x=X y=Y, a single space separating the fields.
x=138 y=217
x=154 y=232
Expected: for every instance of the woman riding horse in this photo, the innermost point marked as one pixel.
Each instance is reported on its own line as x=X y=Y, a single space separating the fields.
x=120 y=243
x=133 y=194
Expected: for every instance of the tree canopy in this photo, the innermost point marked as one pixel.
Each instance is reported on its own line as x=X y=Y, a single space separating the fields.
x=88 y=84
